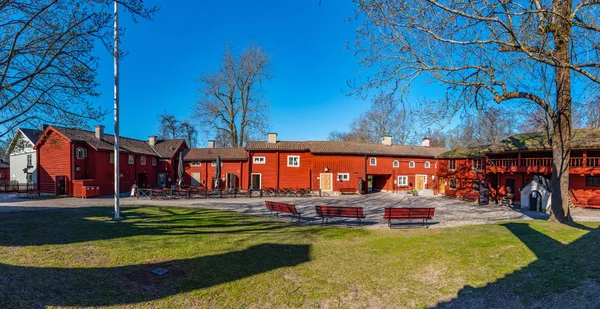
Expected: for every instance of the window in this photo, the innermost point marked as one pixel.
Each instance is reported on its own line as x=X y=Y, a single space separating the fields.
x=81 y=153
x=396 y=163
x=29 y=161
x=453 y=183
x=154 y=161
x=293 y=161
x=214 y=163
x=592 y=181
x=343 y=176
x=131 y=159
x=196 y=163
x=476 y=164
x=29 y=177
x=427 y=164
x=452 y=165
x=411 y=164
x=373 y=161
x=112 y=158
x=402 y=181
x=143 y=160
x=259 y=160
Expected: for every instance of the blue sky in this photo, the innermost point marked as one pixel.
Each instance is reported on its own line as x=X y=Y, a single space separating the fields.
x=306 y=41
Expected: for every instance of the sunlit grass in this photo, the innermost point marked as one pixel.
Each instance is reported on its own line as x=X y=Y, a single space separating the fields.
x=78 y=257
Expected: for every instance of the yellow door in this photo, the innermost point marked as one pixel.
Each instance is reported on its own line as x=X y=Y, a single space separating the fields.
x=442 y=186
x=326 y=184
x=420 y=182
x=195 y=180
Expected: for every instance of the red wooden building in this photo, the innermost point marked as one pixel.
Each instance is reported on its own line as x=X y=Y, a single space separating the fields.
x=71 y=161
x=335 y=166
x=514 y=161
x=4 y=171
x=200 y=167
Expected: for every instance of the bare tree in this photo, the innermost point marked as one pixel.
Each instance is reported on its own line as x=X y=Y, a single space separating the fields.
x=589 y=113
x=231 y=103
x=189 y=133
x=47 y=66
x=488 y=51
x=168 y=127
x=385 y=117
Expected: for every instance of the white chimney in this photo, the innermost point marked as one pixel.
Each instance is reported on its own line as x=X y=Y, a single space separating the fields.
x=99 y=132
x=211 y=143
x=272 y=138
x=426 y=142
x=152 y=140
x=386 y=140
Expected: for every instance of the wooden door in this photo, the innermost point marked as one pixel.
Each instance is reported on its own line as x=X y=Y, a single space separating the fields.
x=326 y=182
x=195 y=180
x=420 y=182
x=442 y=186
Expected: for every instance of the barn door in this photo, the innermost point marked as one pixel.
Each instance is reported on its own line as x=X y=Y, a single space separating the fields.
x=326 y=182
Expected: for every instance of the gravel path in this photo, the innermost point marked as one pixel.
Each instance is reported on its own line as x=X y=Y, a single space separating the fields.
x=449 y=212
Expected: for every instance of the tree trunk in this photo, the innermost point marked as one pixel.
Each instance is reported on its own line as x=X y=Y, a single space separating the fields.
x=562 y=122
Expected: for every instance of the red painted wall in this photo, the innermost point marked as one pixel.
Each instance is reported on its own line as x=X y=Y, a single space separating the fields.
x=55 y=159
x=5 y=173
x=207 y=172
x=275 y=172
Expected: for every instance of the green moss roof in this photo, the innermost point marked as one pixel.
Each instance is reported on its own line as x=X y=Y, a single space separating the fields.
x=588 y=138
x=465 y=152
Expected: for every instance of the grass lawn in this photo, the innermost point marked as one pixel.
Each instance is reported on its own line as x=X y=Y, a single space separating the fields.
x=217 y=259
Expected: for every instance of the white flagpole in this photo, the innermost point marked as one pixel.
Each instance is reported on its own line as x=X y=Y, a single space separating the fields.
x=116 y=107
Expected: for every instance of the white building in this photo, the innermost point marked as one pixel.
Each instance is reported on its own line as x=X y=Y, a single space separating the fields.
x=536 y=194
x=23 y=163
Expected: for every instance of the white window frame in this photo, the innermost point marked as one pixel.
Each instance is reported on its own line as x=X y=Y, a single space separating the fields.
x=473 y=165
x=259 y=182
x=396 y=164
x=81 y=153
x=143 y=160
x=154 y=161
x=259 y=160
x=131 y=159
x=343 y=176
x=412 y=164
x=427 y=164
x=29 y=160
x=373 y=161
x=455 y=183
x=452 y=165
x=196 y=163
x=403 y=184
x=297 y=162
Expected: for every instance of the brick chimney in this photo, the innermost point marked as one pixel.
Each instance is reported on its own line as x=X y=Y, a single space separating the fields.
x=426 y=142
x=272 y=138
x=386 y=140
x=99 y=132
x=211 y=143
x=152 y=140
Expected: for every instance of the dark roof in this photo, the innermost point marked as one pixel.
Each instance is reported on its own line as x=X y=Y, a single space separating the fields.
x=167 y=148
x=465 y=152
x=588 y=138
x=125 y=144
x=352 y=148
x=32 y=134
x=211 y=154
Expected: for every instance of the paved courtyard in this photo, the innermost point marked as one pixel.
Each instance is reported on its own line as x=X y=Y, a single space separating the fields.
x=449 y=212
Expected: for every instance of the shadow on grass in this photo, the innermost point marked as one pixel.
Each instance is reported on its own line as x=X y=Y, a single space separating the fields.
x=68 y=226
x=563 y=276
x=37 y=287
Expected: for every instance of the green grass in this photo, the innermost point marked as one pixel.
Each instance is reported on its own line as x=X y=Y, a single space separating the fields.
x=79 y=258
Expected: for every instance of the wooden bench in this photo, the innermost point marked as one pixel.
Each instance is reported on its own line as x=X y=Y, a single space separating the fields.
x=325 y=212
x=409 y=213
x=276 y=207
x=348 y=191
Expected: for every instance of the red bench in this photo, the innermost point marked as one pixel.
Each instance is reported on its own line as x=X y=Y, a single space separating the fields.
x=408 y=213
x=277 y=207
x=325 y=212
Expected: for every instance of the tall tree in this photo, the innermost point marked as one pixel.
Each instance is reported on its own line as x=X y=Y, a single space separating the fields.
x=168 y=126
x=47 y=65
x=488 y=51
x=231 y=103
x=385 y=117
x=189 y=133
